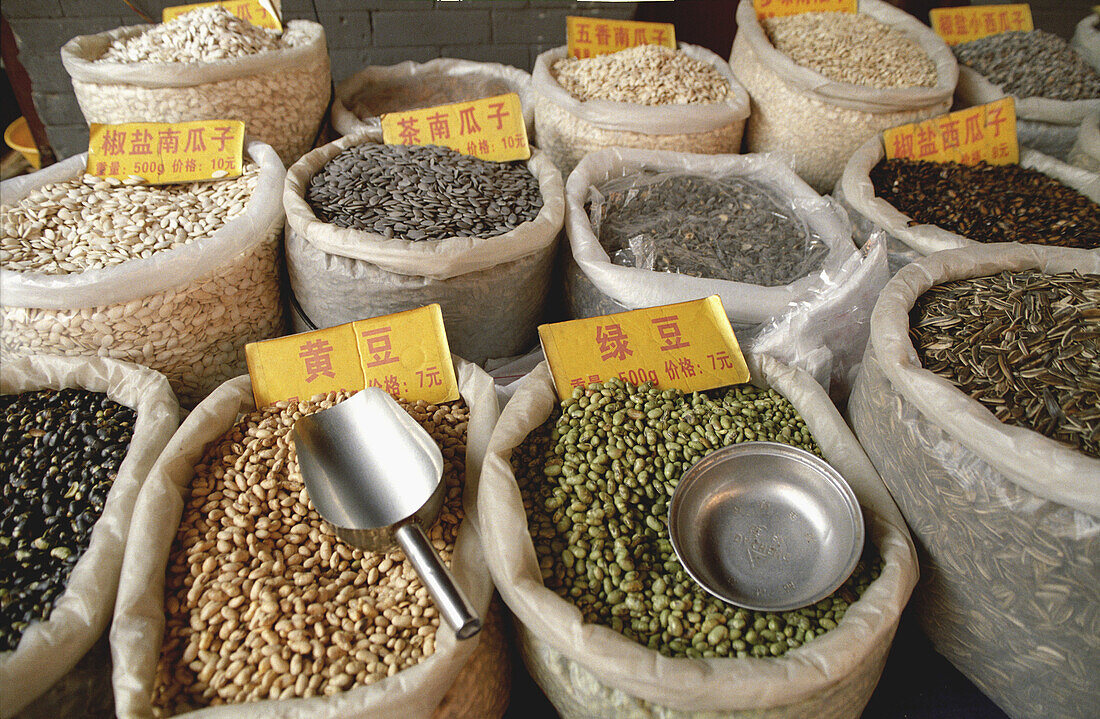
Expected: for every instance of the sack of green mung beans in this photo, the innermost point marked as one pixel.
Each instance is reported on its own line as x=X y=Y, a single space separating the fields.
x=925 y=207
x=374 y=229
x=276 y=616
x=174 y=277
x=1053 y=86
x=977 y=402
x=610 y=625
x=648 y=227
x=1086 y=39
x=1086 y=148
x=72 y=462
x=207 y=65
x=823 y=83
x=362 y=98
x=648 y=96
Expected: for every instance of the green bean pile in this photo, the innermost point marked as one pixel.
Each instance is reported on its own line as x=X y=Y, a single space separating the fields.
x=597 y=479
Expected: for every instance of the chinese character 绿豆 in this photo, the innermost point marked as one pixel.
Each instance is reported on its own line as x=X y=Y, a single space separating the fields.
x=669 y=331
x=613 y=342
x=318 y=359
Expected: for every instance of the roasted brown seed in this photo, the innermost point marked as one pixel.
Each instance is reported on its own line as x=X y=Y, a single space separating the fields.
x=989 y=203
x=262 y=600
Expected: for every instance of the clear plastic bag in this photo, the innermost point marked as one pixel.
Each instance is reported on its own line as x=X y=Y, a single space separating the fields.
x=49 y=649
x=280 y=95
x=1086 y=148
x=568 y=128
x=491 y=290
x=377 y=89
x=909 y=239
x=414 y=693
x=1008 y=520
x=720 y=228
x=818 y=121
x=589 y=670
x=197 y=305
x=843 y=289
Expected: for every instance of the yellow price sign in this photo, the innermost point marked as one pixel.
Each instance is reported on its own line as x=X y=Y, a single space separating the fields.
x=164 y=153
x=257 y=12
x=589 y=36
x=985 y=133
x=688 y=346
x=962 y=24
x=406 y=354
x=782 y=8
x=491 y=128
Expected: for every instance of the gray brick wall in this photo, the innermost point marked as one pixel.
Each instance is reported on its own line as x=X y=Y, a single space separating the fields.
x=358 y=32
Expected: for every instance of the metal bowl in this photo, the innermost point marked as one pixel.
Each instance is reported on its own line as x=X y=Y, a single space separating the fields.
x=766 y=526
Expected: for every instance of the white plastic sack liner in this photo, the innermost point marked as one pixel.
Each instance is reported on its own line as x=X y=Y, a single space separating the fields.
x=1008 y=520
x=1085 y=152
x=1049 y=126
x=844 y=289
x=1086 y=39
x=138 y=629
x=281 y=95
x=49 y=649
x=224 y=288
x=819 y=121
x=589 y=670
x=912 y=240
x=568 y=128
x=362 y=98
x=491 y=290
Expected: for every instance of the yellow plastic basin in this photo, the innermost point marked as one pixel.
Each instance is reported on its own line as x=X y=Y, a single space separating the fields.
x=18 y=137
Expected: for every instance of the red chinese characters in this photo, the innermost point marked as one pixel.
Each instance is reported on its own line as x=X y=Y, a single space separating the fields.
x=613 y=342
x=379 y=347
x=317 y=356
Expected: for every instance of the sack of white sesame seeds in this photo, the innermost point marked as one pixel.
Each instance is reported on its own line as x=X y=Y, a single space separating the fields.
x=185 y=306
x=820 y=121
x=461 y=679
x=205 y=66
x=49 y=649
x=364 y=97
x=568 y=127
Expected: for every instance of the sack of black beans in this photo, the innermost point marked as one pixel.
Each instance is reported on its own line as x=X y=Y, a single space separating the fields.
x=1053 y=87
x=207 y=65
x=648 y=96
x=823 y=83
x=1086 y=39
x=60 y=577
x=241 y=596
x=174 y=277
x=691 y=655
x=374 y=229
x=364 y=97
x=648 y=227
x=1086 y=148
x=1060 y=210
x=977 y=402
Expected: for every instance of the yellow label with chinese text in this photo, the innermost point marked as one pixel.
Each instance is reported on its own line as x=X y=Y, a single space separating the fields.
x=589 y=36
x=782 y=8
x=163 y=153
x=406 y=354
x=491 y=128
x=257 y=12
x=982 y=133
x=688 y=346
x=962 y=24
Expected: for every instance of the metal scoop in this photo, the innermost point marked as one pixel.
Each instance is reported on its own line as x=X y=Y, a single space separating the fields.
x=375 y=475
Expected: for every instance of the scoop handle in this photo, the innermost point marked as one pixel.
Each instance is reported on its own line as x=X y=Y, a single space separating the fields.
x=451 y=602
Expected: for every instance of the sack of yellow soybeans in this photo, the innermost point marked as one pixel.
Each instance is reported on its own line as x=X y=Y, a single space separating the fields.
x=241 y=597
x=591 y=670
x=48 y=649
